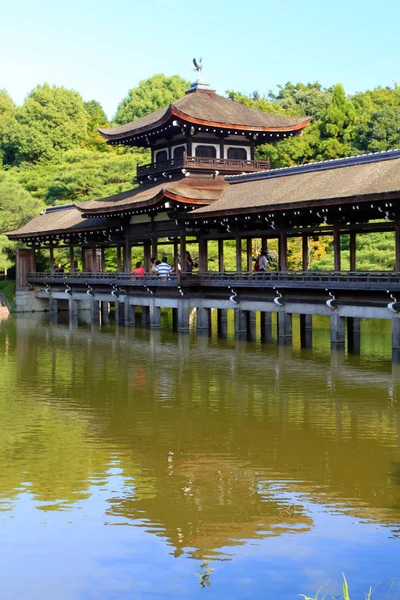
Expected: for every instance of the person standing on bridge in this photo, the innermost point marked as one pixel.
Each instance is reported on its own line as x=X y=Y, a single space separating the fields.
x=164 y=270
x=261 y=263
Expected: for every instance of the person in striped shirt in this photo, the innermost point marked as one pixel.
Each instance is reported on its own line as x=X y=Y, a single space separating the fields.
x=164 y=270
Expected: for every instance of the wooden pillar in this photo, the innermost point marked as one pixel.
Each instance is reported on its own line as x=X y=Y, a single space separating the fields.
x=241 y=325
x=127 y=256
x=203 y=319
x=94 y=259
x=305 y=252
x=83 y=254
x=53 y=305
x=51 y=259
x=282 y=251
x=353 y=335
x=203 y=256
x=104 y=313
x=71 y=259
x=94 y=311
x=238 y=254
x=154 y=247
x=145 y=316
x=222 y=322
x=249 y=254
x=264 y=243
x=396 y=337
x=155 y=315
x=337 y=330
x=397 y=244
x=119 y=262
x=73 y=307
x=306 y=331
x=284 y=321
x=183 y=314
x=353 y=261
x=102 y=261
x=182 y=249
x=336 y=248
x=176 y=255
x=266 y=326
x=147 y=255
x=221 y=256
x=252 y=325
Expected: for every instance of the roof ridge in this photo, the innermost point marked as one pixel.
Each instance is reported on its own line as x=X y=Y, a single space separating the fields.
x=322 y=165
x=50 y=209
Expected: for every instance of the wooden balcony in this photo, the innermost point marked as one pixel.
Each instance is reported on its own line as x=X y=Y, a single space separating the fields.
x=225 y=166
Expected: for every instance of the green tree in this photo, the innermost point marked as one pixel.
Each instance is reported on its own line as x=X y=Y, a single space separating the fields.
x=338 y=126
x=17 y=207
x=52 y=119
x=151 y=94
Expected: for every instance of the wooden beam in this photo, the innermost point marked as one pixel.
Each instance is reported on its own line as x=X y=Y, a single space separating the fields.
x=305 y=252
x=147 y=249
x=51 y=249
x=221 y=256
x=238 y=254
x=119 y=262
x=282 y=242
x=353 y=260
x=397 y=244
x=203 y=256
x=94 y=259
x=336 y=248
x=127 y=257
x=182 y=249
x=249 y=254
x=71 y=259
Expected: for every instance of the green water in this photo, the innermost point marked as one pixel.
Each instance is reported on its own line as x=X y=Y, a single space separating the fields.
x=146 y=464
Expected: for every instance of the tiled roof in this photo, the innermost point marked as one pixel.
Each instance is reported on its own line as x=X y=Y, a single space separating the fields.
x=208 y=107
x=57 y=220
x=193 y=189
x=354 y=177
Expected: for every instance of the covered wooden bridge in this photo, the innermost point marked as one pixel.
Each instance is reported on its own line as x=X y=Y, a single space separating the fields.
x=204 y=185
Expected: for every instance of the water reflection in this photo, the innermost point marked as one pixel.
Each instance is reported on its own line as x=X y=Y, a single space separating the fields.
x=210 y=445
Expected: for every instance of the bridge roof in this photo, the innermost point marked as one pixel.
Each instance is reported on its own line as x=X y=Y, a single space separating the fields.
x=356 y=178
x=190 y=190
x=58 y=219
x=205 y=107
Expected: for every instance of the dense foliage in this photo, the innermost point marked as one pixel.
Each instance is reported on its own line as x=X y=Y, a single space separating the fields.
x=51 y=151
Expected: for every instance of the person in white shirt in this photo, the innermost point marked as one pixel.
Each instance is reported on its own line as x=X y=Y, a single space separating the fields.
x=164 y=269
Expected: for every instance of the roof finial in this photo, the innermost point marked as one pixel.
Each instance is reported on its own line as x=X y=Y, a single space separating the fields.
x=198 y=65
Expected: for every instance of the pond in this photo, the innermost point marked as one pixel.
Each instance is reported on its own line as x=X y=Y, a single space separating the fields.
x=138 y=463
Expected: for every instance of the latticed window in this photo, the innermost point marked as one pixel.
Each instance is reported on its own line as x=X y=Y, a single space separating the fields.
x=238 y=153
x=206 y=151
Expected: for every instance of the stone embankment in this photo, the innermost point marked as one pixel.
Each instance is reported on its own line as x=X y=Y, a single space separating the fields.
x=4 y=307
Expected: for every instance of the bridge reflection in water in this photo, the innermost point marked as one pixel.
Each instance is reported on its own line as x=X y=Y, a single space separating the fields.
x=217 y=445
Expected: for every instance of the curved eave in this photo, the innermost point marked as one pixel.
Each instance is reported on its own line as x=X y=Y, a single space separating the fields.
x=295 y=204
x=109 y=136
x=150 y=203
x=51 y=233
x=175 y=112
x=240 y=127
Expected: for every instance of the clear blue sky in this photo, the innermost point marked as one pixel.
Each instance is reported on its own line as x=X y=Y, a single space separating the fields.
x=102 y=48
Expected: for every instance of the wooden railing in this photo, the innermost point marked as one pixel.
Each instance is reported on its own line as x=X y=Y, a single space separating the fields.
x=230 y=165
x=359 y=280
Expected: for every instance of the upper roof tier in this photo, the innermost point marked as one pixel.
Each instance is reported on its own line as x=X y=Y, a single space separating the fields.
x=206 y=108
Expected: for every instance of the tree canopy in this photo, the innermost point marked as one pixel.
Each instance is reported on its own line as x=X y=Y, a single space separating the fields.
x=151 y=94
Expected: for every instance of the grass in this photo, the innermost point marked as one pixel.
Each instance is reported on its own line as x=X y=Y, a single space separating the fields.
x=8 y=289
x=345 y=593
